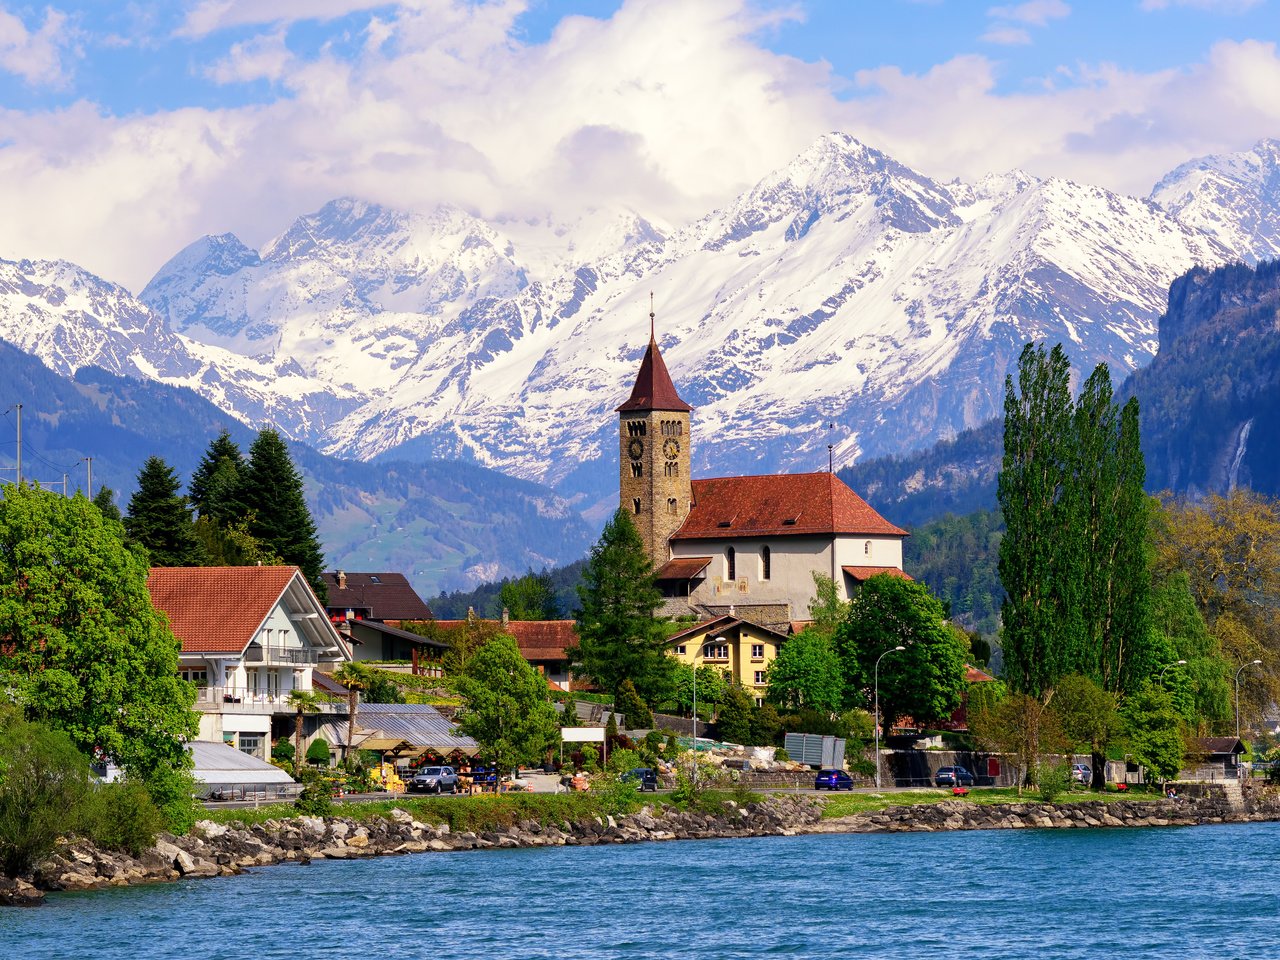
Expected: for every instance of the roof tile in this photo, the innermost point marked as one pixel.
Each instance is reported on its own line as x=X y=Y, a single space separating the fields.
x=216 y=609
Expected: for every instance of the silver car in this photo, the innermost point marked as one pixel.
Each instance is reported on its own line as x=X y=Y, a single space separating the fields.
x=434 y=780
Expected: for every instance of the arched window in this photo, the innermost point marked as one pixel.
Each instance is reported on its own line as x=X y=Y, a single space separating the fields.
x=764 y=563
x=867 y=548
x=637 y=468
x=671 y=506
x=635 y=504
x=731 y=557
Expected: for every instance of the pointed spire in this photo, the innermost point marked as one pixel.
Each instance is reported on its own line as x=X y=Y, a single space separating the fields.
x=653 y=388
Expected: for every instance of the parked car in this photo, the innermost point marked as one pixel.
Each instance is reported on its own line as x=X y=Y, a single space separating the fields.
x=953 y=777
x=646 y=778
x=832 y=780
x=1081 y=773
x=434 y=780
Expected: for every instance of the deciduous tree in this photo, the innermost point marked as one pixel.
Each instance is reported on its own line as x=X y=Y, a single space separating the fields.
x=806 y=673
x=531 y=597
x=506 y=706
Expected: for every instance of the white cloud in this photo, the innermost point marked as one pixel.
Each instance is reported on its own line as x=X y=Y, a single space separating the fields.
x=1037 y=13
x=37 y=57
x=263 y=57
x=669 y=107
x=1006 y=36
x=208 y=16
x=1213 y=6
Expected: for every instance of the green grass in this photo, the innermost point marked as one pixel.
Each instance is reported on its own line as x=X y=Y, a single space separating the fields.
x=855 y=803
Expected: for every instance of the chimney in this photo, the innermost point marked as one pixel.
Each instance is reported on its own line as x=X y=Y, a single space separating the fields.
x=506 y=616
x=342 y=579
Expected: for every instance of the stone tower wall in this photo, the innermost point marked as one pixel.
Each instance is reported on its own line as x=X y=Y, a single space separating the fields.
x=658 y=483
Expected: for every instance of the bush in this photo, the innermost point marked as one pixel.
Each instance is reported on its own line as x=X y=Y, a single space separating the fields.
x=173 y=791
x=315 y=799
x=633 y=708
x=781 y=755
x=766 y=725
x=318 y=752
x=282 y=750
x=121 y=816
x=620 y=761
x=45 y=778
x=615 y=795
x=590 y=758
x=1052 y=779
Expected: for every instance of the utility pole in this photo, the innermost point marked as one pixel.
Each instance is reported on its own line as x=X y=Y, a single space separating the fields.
x=89 y=462
x=64 y=486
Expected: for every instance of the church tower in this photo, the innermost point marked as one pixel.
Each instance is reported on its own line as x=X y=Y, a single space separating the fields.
x=653 y=455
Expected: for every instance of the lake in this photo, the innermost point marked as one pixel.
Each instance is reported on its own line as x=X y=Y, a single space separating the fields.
x=1190 y=892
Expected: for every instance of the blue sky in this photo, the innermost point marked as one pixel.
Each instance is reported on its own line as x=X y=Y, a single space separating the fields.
x=129 y=129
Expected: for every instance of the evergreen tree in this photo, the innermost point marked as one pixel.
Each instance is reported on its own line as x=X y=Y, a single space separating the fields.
x=632 y=707
x=105 y=500
x=160 y=520
x=270 y=489
x=213 y=485
x=618 y=636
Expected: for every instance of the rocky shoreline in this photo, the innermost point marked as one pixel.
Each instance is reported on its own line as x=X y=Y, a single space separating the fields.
x=215 y=850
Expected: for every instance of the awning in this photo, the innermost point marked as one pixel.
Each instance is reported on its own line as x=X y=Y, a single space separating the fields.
x=410 y=729
x=682 y=568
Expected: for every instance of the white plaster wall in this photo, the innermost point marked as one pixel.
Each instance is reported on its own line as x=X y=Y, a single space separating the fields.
x=852 y=552
x=793 y=562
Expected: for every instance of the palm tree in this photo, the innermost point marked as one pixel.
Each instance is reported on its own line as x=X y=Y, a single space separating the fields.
x=355 y=678
x=304 y=701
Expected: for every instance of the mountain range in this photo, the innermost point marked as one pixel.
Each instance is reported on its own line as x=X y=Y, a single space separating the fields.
x=844 y=300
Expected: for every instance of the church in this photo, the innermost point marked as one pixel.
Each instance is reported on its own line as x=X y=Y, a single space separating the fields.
x=738 y=550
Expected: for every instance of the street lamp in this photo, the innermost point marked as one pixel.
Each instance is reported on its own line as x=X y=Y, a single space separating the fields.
x=1167 y=666
x=877 y=692
x=1251 y=663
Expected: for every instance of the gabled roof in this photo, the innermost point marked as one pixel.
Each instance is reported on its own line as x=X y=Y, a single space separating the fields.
x=1215 y=745
x=389 y=631
x=973 y=675
x=682 y=568
x=866 y=573
x=719 y=625
x=217 y=609
x=537 y=639
x=787 y=504
x=387 y=596
x=653 y=389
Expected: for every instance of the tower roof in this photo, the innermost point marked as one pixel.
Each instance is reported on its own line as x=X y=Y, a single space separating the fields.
x=654 y=389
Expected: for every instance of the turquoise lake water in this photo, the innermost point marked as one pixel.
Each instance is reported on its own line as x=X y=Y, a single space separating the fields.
x=1198 y=892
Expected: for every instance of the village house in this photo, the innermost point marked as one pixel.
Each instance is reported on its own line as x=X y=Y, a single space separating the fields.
x=250 y=636
x=740 y=649
x=369 y=609
x=544 y=643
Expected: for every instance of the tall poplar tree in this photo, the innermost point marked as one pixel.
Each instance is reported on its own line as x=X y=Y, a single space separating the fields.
x=270 y=489
x=1036 y=555
x=619 y=638
x=160 y=519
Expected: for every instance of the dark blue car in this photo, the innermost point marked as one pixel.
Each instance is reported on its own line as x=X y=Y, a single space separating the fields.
x=832 y=780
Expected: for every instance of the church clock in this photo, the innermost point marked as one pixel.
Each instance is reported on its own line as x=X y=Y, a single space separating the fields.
x=635 y=448
x=671 y=449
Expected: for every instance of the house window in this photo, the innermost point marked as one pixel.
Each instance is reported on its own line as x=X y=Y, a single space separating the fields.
x=757 y=651
x=635 y=504
x=766 y=565
x=759 y=678
x=199 y=677
x=759 y=701
x=731 y=558
x=251 y=743
x=680 y=650
x=866 y=548
x=715 y=651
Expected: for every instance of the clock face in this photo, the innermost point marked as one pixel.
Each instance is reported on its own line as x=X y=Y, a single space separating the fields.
x=671 y=449
x=635 y=448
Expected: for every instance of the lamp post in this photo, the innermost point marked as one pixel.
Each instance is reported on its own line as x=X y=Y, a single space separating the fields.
x=1251 y=663
x=877 y=693
x=1167 y=666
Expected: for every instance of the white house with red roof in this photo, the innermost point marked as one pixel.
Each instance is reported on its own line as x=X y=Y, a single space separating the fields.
x=250 y=636
x=741 y=546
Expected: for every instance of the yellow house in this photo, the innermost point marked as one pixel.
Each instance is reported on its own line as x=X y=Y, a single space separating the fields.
x=740 y=648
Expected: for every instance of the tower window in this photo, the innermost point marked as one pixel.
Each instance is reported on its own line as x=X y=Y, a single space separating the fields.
x=635 y=504
x=671 y=506
x=765 y=564
x=635 y=428
x=731 y=557
x=671 y=469
x=637 y=468
x=679 y=428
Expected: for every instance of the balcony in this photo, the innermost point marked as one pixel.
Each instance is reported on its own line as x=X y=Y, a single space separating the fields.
x=290 y=656
x=239 y=700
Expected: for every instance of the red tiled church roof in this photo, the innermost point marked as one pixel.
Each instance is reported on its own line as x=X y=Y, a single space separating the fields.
x=217 y=609
x=653 y=389
x=779 y=505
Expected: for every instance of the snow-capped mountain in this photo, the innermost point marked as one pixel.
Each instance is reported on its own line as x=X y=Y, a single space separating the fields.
x=1235 y=197
x=844 y=289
